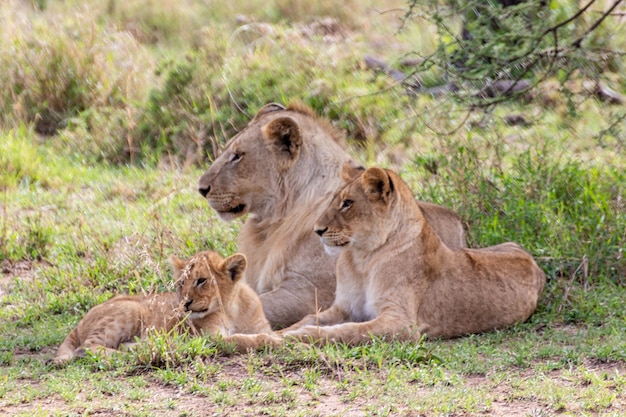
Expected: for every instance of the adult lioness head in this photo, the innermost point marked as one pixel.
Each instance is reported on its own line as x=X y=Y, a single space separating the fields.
x=262 y=168
x=206 y=281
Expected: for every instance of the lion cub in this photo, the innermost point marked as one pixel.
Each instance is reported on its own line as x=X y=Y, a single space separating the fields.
x=210 y=299
x=220 y=303
x=396 y=278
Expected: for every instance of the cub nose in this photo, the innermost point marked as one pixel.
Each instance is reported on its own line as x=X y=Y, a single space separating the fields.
x=188 y=304
x=320 y=231
x=204 y=190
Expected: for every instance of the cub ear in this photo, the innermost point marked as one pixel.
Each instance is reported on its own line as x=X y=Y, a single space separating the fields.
x=177 y=264
x=283 y=136
x=351 y=170
x=377 y=184
x=268 y=108
x=235 y=265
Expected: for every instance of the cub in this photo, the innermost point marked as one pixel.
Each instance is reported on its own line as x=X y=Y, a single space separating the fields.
x=396 y=278
x=118 y=322
x=218 y=302
x=197 y=305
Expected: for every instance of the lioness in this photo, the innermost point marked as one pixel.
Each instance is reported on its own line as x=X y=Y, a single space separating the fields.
x=209 y=296
x=282 y=170
x=396 y=278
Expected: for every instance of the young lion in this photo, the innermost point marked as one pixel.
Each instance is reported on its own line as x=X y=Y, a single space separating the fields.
x=282 y=170
x=220 y=303
x=202 y=280
x=395 y=277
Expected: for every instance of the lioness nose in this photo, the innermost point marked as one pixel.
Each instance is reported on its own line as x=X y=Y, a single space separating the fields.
x=188 y=304
x=320 y=231
x=204 y=191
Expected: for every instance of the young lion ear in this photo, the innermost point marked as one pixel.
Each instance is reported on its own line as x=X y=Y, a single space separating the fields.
x=351 y=170
x=235 y=265
x=268 y=108
x=283 y=136
x=377 y=184
x=177 y=264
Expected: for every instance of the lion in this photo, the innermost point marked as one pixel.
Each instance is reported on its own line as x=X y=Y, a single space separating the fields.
x=282 y=170
x=396 y=278
x=210 y=299
x=218 y=302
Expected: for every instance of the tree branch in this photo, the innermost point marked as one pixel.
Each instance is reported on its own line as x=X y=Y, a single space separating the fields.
x=577 y=42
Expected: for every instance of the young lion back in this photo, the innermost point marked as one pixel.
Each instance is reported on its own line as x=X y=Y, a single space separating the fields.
x=119 y=321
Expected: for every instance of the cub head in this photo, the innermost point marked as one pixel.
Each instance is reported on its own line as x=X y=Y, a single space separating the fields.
x=358 y=210
x=245 y=177
x=206 y=280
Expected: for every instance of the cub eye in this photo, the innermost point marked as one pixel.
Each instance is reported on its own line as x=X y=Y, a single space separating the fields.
x=200 y=281
x=346 y=204
x=236 y=156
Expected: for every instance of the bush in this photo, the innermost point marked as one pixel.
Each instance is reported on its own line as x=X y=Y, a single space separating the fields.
x=56 y=67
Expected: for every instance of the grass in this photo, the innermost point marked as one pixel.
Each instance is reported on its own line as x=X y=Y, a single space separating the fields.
x=98 y=171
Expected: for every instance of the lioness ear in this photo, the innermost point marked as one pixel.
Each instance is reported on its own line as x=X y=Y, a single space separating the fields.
x=377 y=184
x=283 y=136
x=235 y=265
x=351 y=170
x=268 y=108
x=177 y=264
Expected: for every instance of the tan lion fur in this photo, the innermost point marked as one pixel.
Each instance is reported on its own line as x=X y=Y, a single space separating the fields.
x=118 y=321
x=396 y=278
x=122 y=319
x=218 y=302
x=282 y=170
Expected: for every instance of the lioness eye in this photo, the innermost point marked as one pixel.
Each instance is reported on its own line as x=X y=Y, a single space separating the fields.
x=236 y=156
x=200 y=281
x=346 y=204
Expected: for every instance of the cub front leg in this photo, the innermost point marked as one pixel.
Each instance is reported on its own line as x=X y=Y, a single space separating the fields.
x=247 y=342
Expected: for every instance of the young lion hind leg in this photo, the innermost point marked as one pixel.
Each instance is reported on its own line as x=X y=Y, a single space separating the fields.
x=66 y=351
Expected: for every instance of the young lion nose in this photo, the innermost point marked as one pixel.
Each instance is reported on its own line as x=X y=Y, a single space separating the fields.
x=204 y=191
x=188 y=304
x=320 y=231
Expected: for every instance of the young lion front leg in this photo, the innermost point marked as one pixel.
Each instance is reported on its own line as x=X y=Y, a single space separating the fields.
x=329 y=317
x=355 y=333
x=294 y=299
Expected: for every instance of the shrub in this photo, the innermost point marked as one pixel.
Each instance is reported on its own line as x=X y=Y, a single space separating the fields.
x=54 y=67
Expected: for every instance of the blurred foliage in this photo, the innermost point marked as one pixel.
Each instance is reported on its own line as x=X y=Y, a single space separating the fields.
x=492 y=51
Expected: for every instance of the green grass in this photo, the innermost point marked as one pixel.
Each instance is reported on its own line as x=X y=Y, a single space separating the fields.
x=133 y=102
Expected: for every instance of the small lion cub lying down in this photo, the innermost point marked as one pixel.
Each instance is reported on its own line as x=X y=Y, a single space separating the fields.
x=210 y=299
x=220 y=303
x=396 y=278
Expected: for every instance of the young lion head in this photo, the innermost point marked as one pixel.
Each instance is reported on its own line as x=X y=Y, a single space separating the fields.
x=358 y=210
x=206 y=281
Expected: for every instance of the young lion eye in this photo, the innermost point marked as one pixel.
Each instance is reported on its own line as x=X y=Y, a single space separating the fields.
x=200 y=281
x=346 y=204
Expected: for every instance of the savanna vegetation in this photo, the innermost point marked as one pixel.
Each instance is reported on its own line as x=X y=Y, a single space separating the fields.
x=110 y=110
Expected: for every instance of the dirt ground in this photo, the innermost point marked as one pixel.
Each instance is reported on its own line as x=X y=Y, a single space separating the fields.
x=160 y=399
